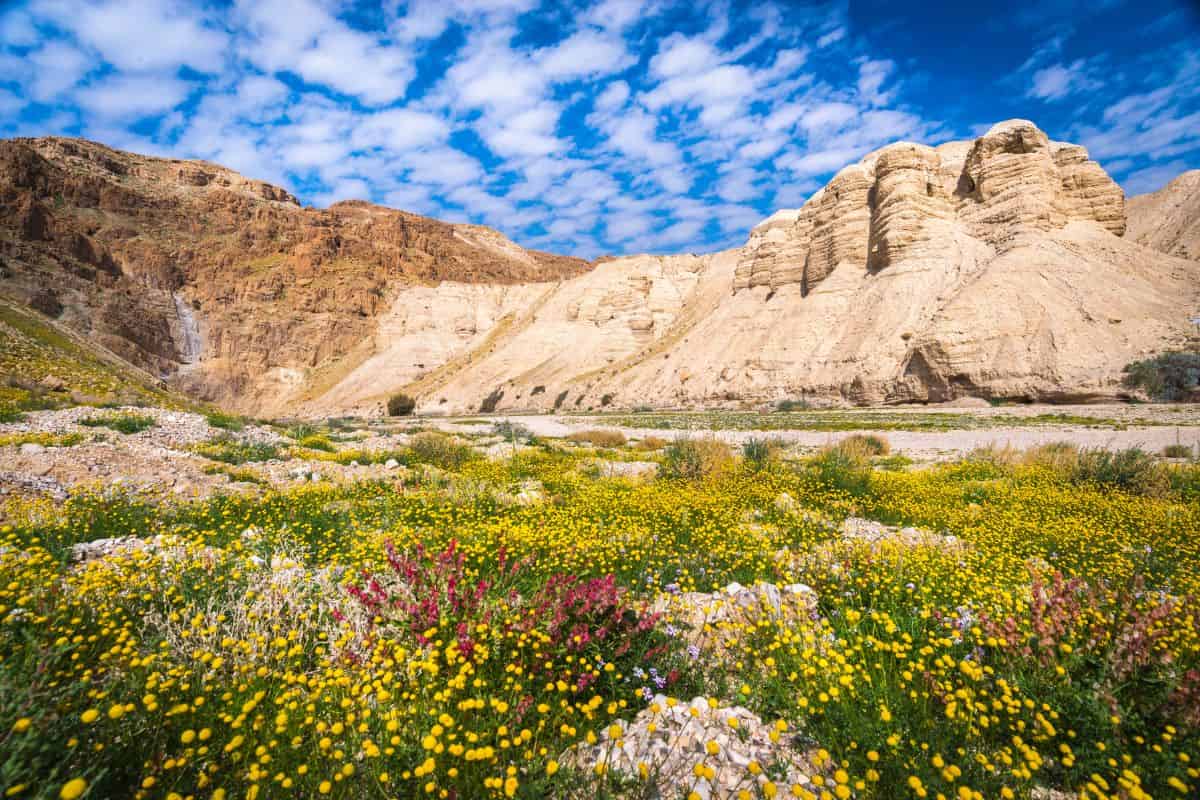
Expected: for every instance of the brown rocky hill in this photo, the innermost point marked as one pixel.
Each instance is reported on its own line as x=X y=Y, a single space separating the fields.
x=1169 y=219
x=224 y=284
x=998 y=267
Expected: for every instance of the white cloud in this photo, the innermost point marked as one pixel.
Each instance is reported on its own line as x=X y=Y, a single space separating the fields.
x=57 y=66
x=872 y=74
x=302 y=37
x=132 y=96
x=1058 y=80
x=399 y=129
x=585 y=53
x=141 y=35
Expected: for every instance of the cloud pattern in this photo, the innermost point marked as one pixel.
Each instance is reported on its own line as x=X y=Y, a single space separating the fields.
x=614 y=126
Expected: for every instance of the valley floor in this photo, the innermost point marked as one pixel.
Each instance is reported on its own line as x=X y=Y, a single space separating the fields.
x=925 y=603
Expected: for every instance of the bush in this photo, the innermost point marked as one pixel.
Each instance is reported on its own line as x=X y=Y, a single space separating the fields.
x=793 y=405
x=691 y=459
x=228 y=422
x=512 y=431
x=125 y=423
x=1132 y=470
x=1177 y=451
x=317 y=442
x=652 y=443
x=844 y=468
x=440 y=450
x=1062 y=457
x=233 y=451
x=401 y=405
x=600 y=438
x=1169 y=377
x=301 y=430
x=760 y=452
x=864 y=446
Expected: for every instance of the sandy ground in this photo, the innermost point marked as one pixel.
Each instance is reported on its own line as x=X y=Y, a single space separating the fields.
x=1176 y=424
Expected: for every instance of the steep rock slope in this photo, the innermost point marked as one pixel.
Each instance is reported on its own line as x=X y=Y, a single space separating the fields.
x=998 y=267
x=224 y=284
x=1169 y=219
x=995 y=267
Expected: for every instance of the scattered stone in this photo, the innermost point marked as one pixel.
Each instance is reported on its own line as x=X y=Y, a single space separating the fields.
x=32 y=449
x=667 y=741
x=391 y=463
x=734 y=606
x=53 y=383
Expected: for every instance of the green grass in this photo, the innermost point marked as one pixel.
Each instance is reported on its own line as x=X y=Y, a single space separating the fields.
x=126 y=423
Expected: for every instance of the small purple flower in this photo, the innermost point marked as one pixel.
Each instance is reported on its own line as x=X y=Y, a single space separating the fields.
x=660 y=681
x=647 y=695
x=672 y=630
x=693 y=651
x=639 y=673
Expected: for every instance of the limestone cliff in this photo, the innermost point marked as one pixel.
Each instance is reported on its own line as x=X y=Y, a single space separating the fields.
x=997 y=267
x=1169 y=219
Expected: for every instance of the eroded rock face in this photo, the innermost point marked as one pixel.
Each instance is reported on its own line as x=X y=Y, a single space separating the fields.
x=994 y=267
x=900 y=202
x=1169 y=220
x=276 y=289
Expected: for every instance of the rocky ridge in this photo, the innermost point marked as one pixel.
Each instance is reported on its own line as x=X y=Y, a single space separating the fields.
x=998 y=267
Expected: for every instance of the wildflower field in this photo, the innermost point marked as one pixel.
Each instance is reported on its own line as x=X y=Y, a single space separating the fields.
x=1035 y=629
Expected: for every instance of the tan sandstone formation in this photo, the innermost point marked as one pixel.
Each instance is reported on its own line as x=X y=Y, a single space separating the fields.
x=1169 y=219
x=998 y=267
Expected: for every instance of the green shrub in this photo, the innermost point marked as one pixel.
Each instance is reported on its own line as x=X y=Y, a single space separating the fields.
x=1132 y=470
x=124 y=423
x=600 y=438
x=440 y=450
x=792 y=405
x=227 y=422
x=512 y=431
x=694 y=458
x=401 y=405
x=1169 y=377
x=317 y=442
x=1177 y=451
x=844 y=468
x=233 y=451
x=9 y=413
x=759 y=452
x=301 y=430
x=864 y=445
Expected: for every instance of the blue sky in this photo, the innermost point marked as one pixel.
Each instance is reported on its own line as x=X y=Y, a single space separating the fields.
x=589 y=128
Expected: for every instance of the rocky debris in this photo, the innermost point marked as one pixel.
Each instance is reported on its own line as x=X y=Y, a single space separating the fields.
x=53 y=383
x=31 y=448
x=702 y=613
x=664 y=743
x=608 y=468
x=31 y=484
x=872 y=531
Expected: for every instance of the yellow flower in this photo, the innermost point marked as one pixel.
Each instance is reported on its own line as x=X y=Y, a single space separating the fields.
x=551 y=767
x=90 y=716
x=73 y=788
x=22 y=725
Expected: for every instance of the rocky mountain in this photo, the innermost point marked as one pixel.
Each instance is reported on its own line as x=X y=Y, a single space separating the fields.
x=999 y=267
x=1169 y=219
x=225 y=285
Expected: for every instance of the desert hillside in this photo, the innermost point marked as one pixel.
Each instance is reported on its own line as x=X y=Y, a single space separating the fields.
x=1010 y=266
x=1169 y=219
x=225 y=285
